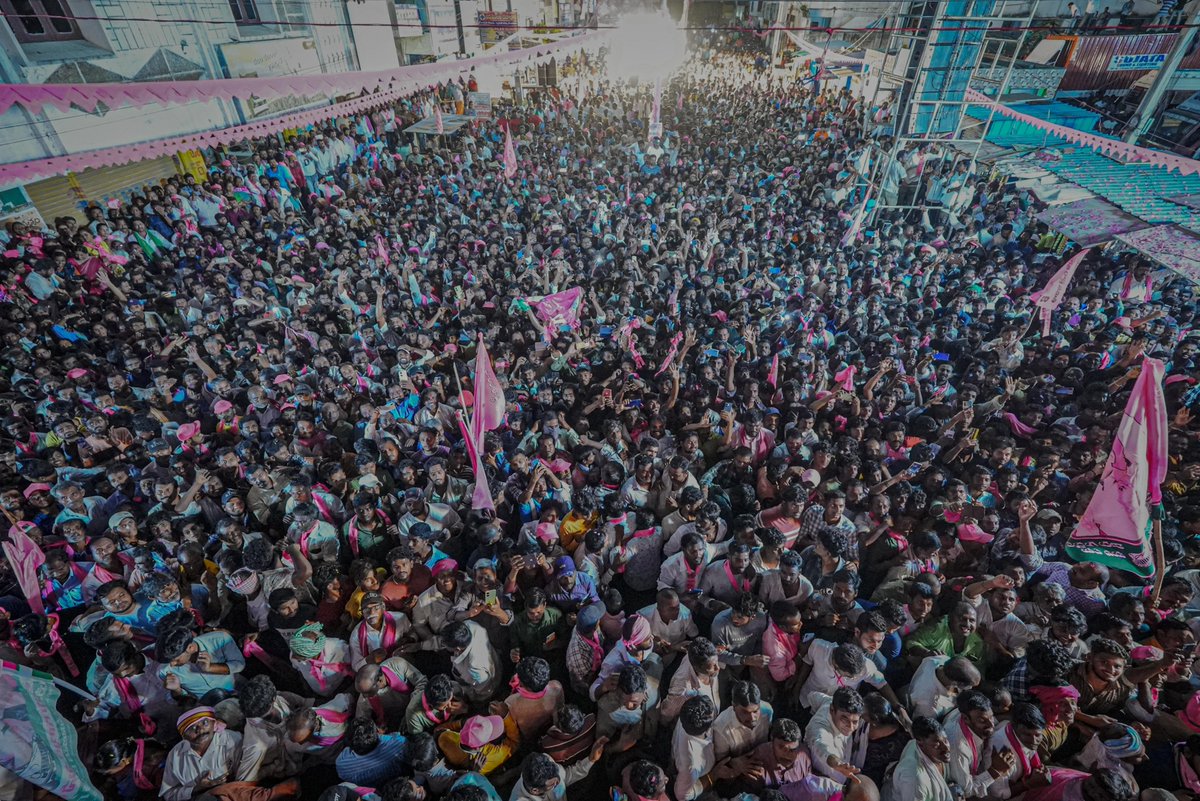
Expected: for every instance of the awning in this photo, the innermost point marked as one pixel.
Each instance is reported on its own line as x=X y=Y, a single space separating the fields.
x=1171 y=246
x=1190 y=201
x=1091 y=221
x=450 y=124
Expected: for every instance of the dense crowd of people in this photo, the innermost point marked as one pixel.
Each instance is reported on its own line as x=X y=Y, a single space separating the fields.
x=780 y=503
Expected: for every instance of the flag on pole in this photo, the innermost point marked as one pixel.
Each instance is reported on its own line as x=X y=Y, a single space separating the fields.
x=656 y=110
x=679 y=102
x=1051 y=296
x=1115 y=529
x=773 y=373
x=437 y=118
x=510 y=155
x=486 y=415
x=36 y=742
x=25 y=557
x=856 y=224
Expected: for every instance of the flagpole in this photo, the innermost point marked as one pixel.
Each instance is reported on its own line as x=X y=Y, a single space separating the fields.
x=462 y=403
x=1159 y=559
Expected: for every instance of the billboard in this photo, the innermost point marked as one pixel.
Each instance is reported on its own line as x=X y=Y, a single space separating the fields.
x=267 y=57
x=496 y=25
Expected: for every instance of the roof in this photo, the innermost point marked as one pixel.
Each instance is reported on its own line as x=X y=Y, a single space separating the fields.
x=1140 y=189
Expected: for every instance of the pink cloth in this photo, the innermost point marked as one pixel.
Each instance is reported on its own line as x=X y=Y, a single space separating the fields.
x=1050 y=297
x=561 y=308
x=1115 y=527
x=487 y=414
x=25 y=557
x=510 y=155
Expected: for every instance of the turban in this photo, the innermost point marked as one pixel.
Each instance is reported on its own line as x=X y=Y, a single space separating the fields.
x=1050 y=697
x=243 y=581
x=306 y=647
x=639 y=632
x=193 y=716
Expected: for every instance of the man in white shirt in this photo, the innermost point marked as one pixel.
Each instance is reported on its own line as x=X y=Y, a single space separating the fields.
x=472 y=658
x=936 y=682
x=744 y=724
x=828 y=665
x=1021 y=735
x=969 y=729
x=921 y=771
x=692 y=750
x=671 y=625
x=830 y=734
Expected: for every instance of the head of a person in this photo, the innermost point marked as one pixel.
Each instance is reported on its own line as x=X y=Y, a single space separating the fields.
x=931 y=739
x=846 y=710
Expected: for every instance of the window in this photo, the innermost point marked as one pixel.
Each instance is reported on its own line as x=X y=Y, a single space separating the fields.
x=245 y=12
x=40 y=20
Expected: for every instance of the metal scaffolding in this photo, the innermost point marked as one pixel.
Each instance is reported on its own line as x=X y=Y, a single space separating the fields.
x=936 y=50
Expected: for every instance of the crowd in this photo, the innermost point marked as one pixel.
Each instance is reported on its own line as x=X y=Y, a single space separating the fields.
x=780 y=503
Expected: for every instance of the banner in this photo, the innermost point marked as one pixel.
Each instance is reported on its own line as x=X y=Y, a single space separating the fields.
x=1114 y=148
x=402 y=82
x=1115 y=529
x=36 y=742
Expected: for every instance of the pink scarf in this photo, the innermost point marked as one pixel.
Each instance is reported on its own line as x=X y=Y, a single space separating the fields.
x=739 y=584
x=387 y=637
x=331 y=716
x=516 y=686
x=130 y=699
x=57 y=646
x=316 y=668
x=140 y=779
x=352 y=533
x=1019 y=428
x=1028 y=765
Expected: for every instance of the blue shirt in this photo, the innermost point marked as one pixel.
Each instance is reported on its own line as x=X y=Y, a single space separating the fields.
x=377 y=768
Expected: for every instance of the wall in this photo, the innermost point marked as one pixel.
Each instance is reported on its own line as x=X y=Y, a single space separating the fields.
x=373 y=43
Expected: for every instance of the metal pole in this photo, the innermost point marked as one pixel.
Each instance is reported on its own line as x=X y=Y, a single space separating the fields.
x=1144 y=118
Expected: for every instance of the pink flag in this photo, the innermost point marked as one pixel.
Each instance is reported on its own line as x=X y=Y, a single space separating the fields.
x=1050 y=297
x=381 y=250
x=561 y=308
x=846 y=378
x=25 y=557
x=487 y=414
x=437 y=118
x=679 y=102
x=1115 y=527
x=773 y=373
x=656 y=111
x=510 y=155
x=856 y=224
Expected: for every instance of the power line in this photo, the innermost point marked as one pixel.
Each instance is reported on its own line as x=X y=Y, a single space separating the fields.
x=548 y=28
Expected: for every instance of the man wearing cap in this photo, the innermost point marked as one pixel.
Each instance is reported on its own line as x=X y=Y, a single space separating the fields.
x=570 y=590
x=481 y=745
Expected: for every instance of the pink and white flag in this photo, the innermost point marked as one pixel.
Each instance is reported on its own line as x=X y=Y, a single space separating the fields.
x=487 y=414
x=1115 y=529
x=437 y=118
x=1051 y=296
x=561 y=308
x=510 y=155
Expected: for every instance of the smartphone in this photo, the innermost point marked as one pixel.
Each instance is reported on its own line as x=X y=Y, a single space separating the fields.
x=634 y=404
x=913 y=469
x=728 y=407
x=607 y=395
x=491 y=598
x=712 y=354
x=941 y=357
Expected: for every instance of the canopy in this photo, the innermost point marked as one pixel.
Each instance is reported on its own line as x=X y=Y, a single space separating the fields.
x=1091 y=221
x=450 y=124
x=1171 y=246
x=1191 y=201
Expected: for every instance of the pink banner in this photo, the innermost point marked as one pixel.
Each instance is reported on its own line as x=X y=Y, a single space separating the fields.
x=1109 y=147
x=1169 y=245
x=34 y=97
x=407 y=80
x=1115 y=527
x=1051 y=296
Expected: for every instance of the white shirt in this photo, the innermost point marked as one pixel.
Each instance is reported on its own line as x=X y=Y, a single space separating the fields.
x=731 y=738
x=263 y=752
x=693 y=758
x=916 y=776
x=184 y=766
x=1000 y=740
x=336 y=656
x=681 y=628
x=927 y=695
x=824 y=680
x=970 y=758
x=824 y=740
x=374 y=638
x=476 y=665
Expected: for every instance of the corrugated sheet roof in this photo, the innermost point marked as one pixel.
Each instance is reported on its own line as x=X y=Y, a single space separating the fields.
x=1140 y=189
x=1087 y=69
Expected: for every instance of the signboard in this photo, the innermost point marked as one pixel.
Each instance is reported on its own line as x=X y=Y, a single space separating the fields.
x=1145 y=61
x=268 y=57
x=496 y=25
x=408 y=20
x=480 y=105
x=192 y=163
x=656 y=130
